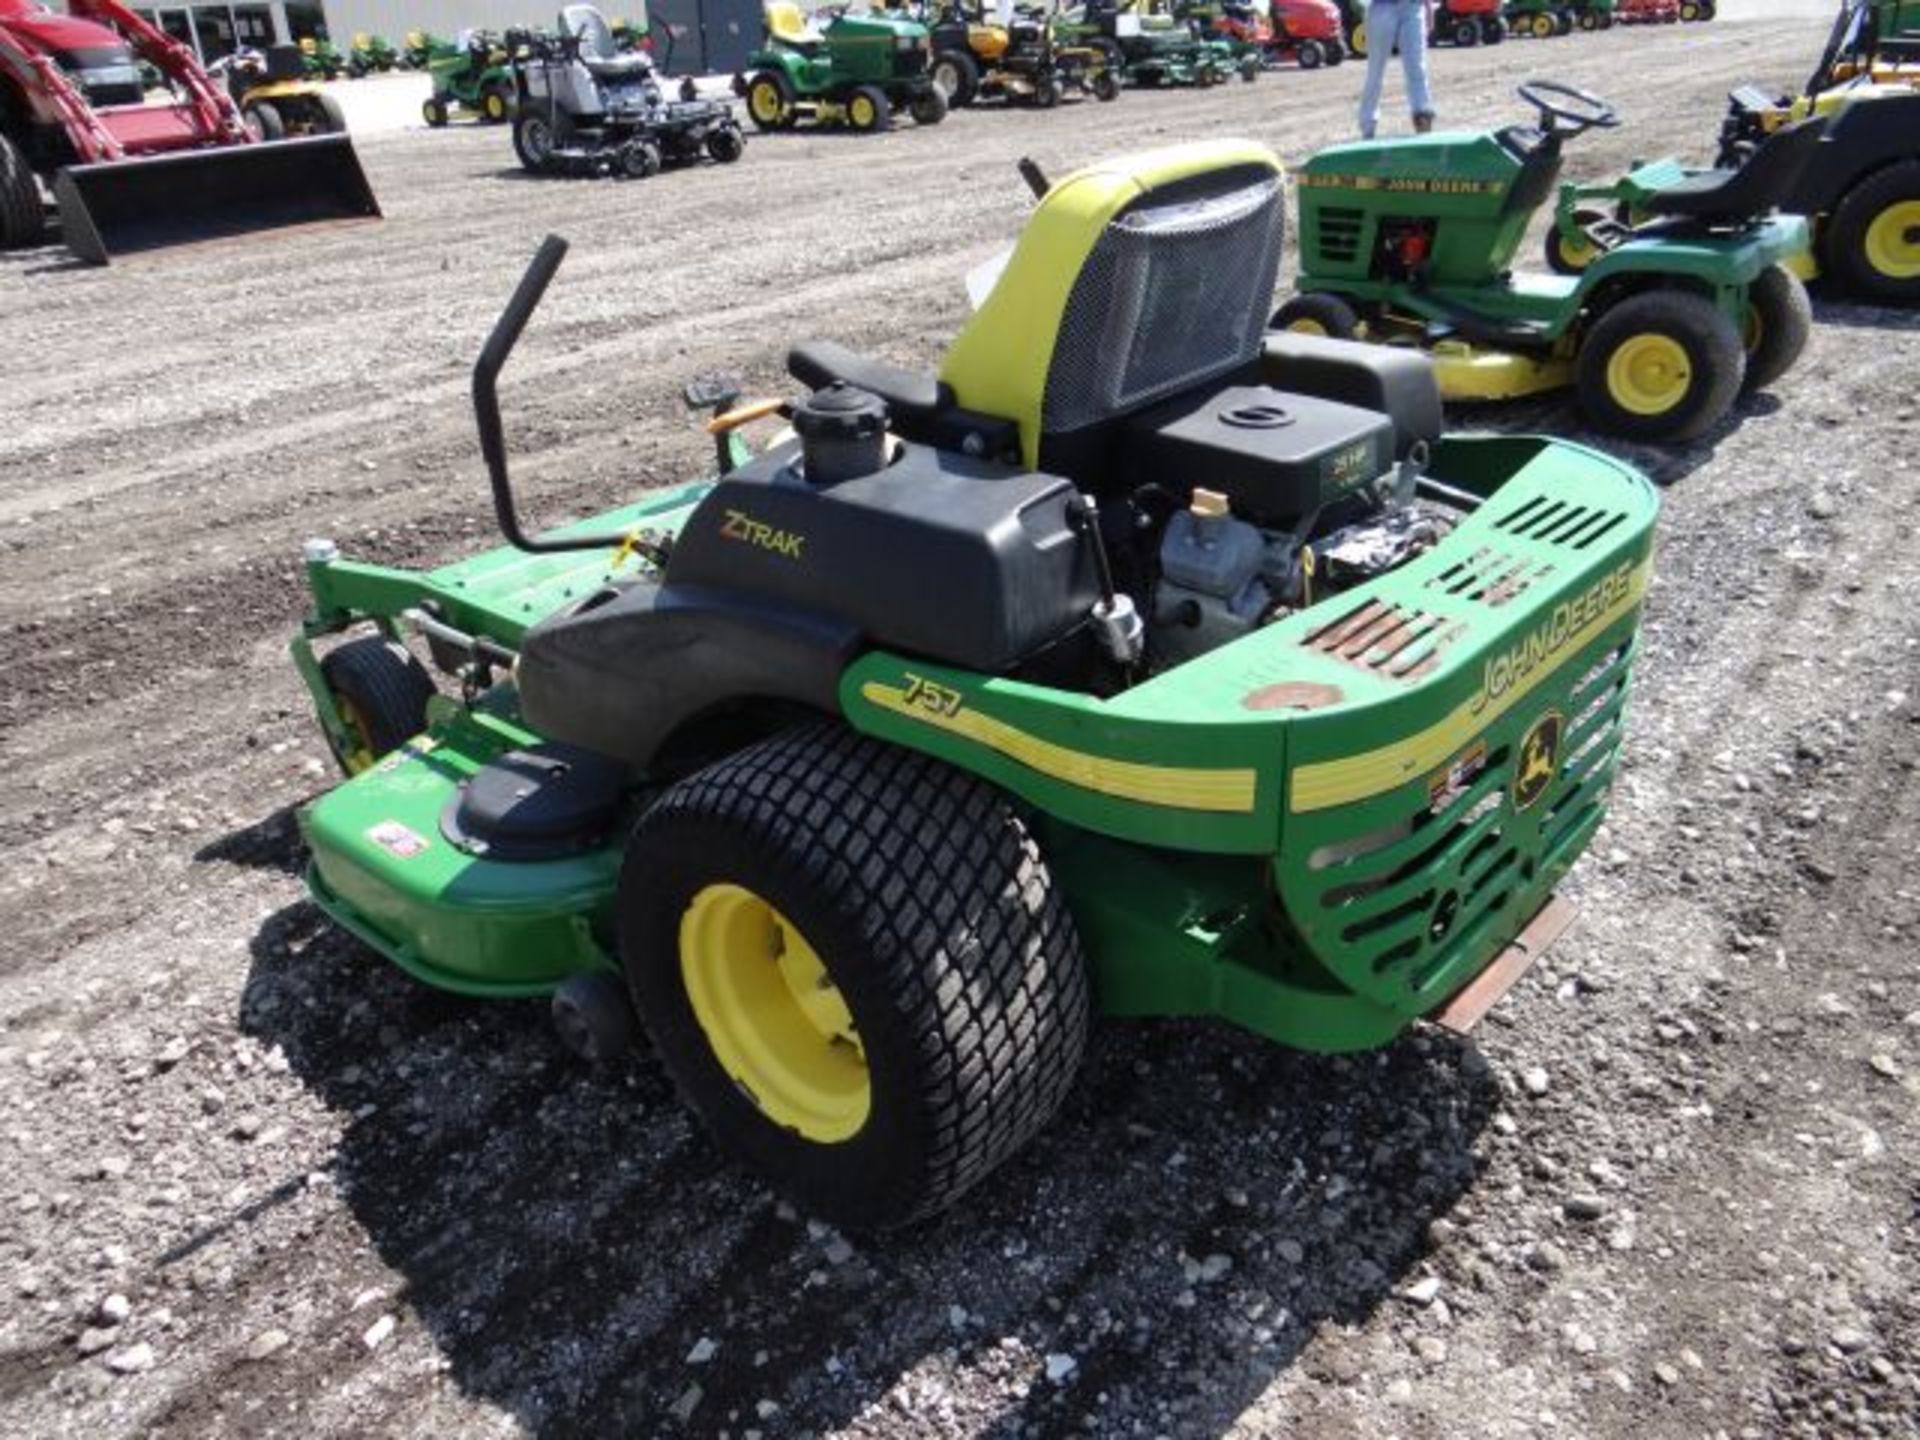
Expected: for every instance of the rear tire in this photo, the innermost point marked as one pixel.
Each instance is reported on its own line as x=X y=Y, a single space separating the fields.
x=1660 y=367
x=333 y=120
x=1872 y=243
x=726 y=144
x=382 y=692
x=265 y=121
x=928 y=1010
x=1357 y=40
x=1779 y=323
x=1310 y=57
x=23 y=218
x=956 y=74
x=1105 y=87
x=496 y=105
x=1493 y=29
x=1466 y=34
x=1316 y=312
x=535 y=139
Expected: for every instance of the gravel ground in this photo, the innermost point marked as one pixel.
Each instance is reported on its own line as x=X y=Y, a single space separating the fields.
x=252 y=1181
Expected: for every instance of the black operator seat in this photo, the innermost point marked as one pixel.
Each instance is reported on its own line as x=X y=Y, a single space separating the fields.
x=1757 y=187
x=598 y=50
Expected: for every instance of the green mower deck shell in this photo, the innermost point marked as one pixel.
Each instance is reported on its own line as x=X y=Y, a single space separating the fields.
x=1318 y=832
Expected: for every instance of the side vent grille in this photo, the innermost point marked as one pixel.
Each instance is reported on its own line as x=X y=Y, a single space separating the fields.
x=1389 y=640
x=1560 y=522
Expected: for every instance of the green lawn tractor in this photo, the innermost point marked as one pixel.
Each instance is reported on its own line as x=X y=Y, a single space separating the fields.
x=322 y=59
x=1138 y=662
x=371 y=54
x=1861 y=191
x=856 y=71
x=1412 y=242
x=418 y=48
x=474 y=72
x=1539 y=19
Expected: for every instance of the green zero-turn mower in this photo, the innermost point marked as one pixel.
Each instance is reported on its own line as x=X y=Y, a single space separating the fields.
x=1861 y=189
x=1139 y=662
x=856 y=71
x=1413 y=241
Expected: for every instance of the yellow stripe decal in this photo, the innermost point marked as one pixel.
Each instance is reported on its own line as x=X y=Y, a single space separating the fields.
x=1359 y=777
x=1225 y=791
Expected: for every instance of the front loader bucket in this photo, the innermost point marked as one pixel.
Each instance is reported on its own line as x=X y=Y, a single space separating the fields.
x=122 y=207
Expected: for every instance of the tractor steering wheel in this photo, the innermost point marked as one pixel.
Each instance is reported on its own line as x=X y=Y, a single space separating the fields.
x=1568 y=109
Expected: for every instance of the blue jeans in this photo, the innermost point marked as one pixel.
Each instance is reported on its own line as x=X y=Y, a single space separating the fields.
x=1395 y=25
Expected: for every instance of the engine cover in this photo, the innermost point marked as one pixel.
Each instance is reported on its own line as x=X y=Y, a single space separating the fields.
x=1275 y=455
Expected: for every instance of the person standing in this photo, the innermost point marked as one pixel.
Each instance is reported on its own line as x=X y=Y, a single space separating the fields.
x=1397 y=25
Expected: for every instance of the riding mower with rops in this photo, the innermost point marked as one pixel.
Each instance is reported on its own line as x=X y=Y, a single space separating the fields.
x=865 y=771
x=1149 y=50
x=1413 y=241
x=1467 y=23
x=584 y=107
x=975 y=58
x=1861 y=189
x=475 y=73
x=856 y=71
x=1307 y=32
x=274 y=95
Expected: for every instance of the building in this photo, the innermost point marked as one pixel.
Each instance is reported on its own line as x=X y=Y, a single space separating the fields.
x=708 y=36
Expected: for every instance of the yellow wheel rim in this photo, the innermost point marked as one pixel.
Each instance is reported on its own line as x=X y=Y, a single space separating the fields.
x=359 y=755
x=861 y=112
x=777 y=1023
x=1360 y=39
x=1893 y=241
x=496 y=107
x=1542 y=26
x=765 y=103
x=1755 y=329
x=1650 y=374
x=1307 y=327
x=1577 y=253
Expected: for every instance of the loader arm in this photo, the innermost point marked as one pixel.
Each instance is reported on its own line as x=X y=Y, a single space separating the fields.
x=216 y=118
x=48 y=89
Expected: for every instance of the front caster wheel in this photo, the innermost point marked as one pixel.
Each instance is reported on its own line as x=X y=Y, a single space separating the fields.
x=593 y=1017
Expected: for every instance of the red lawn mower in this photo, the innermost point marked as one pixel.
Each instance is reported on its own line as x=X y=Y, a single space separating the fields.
x=1307 y=32
x=1468 y=22
x=1646 y=12
x=131 y=174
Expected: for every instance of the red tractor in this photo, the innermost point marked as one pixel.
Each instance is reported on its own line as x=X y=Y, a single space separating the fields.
x=1646 y=12
x=1308 y=32
x=128 y=174
x=1468 y=22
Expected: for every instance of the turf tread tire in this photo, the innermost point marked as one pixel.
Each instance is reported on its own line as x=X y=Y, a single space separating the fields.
x=927 y=898
x=23 y=219
x=1336 y=318
x=1786 y=324
x=1713 y=349
x=1846 y=236
x=387 y=685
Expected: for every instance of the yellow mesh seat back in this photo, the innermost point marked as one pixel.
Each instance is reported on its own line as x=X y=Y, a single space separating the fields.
x=1180 y=249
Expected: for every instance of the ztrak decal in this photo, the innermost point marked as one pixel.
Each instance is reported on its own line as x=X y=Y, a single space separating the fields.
x=1539 y=760
x=741 y=526
x=1171 y=786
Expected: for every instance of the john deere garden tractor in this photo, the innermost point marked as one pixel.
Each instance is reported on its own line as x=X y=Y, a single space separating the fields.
x=1592 y=14
x=1137 y=661
x=473 y=73
x=856 y=71
x=371 y=54
x=1413 y=241
x=1861 y=191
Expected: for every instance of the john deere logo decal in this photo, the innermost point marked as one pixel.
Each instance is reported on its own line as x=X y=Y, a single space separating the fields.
x=1539 y=759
